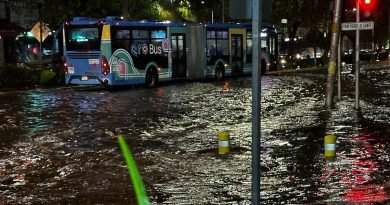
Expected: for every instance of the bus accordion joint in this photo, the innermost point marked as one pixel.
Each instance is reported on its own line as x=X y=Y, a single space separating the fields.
x=105 y=66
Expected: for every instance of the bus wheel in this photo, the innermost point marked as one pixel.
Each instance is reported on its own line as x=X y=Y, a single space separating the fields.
x=151 y=78
x=219 y=73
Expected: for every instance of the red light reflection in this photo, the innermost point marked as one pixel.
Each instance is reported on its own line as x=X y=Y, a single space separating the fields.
x=356 y=172
x=366 y=194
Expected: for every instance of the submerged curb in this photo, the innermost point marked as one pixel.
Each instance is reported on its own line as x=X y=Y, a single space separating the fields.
x=324 y=69
x=317 y=70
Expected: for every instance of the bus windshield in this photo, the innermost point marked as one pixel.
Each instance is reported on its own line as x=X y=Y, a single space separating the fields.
x=82 y=39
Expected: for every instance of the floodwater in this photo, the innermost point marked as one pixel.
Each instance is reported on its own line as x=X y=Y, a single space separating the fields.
x=59 y=146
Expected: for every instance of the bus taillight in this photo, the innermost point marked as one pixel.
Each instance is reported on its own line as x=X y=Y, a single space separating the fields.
x=105 y=66
x=65 y=65
x=101 y=23
x=66 y=23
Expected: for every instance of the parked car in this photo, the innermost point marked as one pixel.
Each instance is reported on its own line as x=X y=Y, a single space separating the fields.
x=283 y=60
x=382 y=55
x=308 y=52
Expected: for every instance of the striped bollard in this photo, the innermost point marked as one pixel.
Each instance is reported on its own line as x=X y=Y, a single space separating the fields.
x=223 y=142
x=330 y=147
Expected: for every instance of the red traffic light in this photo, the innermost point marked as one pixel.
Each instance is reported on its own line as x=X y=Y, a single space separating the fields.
x=367 y=5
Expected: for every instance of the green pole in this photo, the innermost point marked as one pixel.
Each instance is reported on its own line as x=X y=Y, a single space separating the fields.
x=135 y=177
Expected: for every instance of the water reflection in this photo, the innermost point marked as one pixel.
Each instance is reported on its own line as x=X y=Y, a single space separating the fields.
x=63 y=147
x=359 y=173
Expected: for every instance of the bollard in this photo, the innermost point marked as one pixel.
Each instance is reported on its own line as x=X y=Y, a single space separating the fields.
x=330 y=147
x=223 y=142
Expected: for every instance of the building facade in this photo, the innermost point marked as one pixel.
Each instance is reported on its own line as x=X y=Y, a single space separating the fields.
x=16 y=16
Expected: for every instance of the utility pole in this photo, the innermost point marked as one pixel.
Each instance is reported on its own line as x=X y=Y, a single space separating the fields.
x=333 y=54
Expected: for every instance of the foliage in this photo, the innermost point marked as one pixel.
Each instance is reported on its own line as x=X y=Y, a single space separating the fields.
x=14 y=76
x=47 y=77
x=56 y=11
x=314 y=15
x=184 y=10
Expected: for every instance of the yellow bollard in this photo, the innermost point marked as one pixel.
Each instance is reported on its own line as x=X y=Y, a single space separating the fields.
x=330 y=147
x=223 y=142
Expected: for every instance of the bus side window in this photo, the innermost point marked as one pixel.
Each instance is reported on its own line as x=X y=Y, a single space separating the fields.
x=123 y=34
x=122 y=39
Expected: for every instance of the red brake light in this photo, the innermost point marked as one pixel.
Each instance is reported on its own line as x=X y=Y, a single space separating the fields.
x=101 y=23
x=65 y=65
x=105 y=66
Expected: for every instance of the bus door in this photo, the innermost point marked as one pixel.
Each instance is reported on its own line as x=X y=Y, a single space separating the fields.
x=237 y=56
x=179 y=58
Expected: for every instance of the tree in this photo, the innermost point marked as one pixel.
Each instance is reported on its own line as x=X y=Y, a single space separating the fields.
x=309 y=14
x=290 y=10
x=56 y=11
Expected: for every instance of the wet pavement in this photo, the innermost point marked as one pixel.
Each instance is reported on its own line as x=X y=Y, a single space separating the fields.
x=59 y=146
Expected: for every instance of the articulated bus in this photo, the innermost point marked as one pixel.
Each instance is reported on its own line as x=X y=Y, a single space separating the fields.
x=112 y=51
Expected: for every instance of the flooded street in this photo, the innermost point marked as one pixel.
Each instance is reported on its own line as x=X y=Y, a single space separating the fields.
x=59 y=146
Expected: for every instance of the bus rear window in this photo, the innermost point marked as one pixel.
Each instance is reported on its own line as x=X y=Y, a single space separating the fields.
x=79 y=39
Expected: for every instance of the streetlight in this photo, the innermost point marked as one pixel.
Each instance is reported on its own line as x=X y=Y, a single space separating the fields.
x=284 y=25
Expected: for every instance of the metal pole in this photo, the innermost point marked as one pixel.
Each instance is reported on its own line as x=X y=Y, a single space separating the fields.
x=339 y=68
x=256 y=89
x=357 y=57
x=373 y=45
x=212 y=16
x=40 y=39
x=223 y=11
x=40 y=31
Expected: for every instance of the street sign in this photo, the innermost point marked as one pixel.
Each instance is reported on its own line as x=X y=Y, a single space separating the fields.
x=349 y=26
x=38 y=29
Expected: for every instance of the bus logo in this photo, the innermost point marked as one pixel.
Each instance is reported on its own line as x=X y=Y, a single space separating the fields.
x=149 y=49
x=122 y=64
x=145 y=49
x=165 y=45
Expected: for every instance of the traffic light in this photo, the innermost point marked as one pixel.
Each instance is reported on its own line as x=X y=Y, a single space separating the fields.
x=367 y=6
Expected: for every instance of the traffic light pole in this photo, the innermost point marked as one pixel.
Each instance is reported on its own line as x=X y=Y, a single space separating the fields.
x=357 y=58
